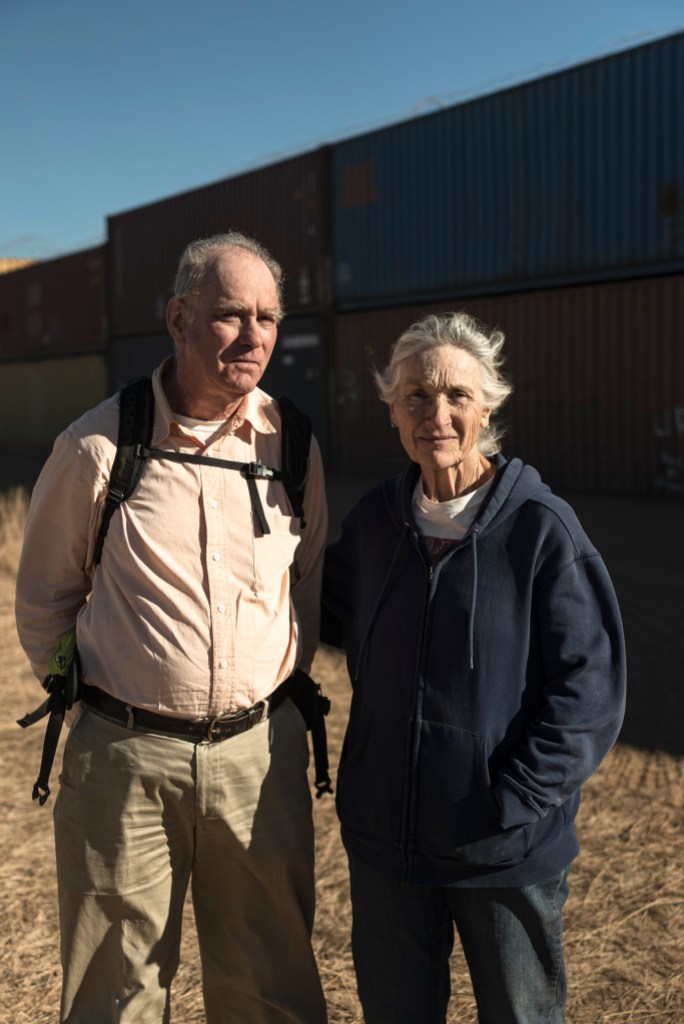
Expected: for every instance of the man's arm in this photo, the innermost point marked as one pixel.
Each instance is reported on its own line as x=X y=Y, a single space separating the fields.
x=53 y=582
x=308 y=566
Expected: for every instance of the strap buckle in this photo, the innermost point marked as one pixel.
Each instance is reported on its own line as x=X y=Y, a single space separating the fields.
x=258 y=471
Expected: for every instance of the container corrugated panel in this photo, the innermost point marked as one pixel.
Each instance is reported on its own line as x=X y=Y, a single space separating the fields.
x=40 y=397
x=283 y=206
x=137 y=356
x=574 y=177
x=298 y=369
x=54 y=308
x=598 y=373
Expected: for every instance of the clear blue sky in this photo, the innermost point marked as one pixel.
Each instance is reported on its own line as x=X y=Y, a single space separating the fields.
x=110 y=105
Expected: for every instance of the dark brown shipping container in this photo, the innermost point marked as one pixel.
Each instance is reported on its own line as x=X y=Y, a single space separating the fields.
x=283 y=206
x=598 y=373
x=54 y=308
x=40 y=397
x=136 y=357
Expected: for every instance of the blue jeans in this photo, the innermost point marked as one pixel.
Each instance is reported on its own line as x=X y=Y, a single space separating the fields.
x=403 y=935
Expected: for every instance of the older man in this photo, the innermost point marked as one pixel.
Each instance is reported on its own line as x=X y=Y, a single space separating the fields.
x=179 y=768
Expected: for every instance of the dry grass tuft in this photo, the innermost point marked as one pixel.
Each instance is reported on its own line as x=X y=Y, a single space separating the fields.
x=624 y=935
x=13 y=507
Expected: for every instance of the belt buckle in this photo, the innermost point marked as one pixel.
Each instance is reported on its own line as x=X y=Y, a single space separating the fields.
x=211 y=738
x=236 y=716
x=212 y=735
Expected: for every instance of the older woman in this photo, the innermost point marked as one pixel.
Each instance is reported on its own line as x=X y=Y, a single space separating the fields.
x=485 y=649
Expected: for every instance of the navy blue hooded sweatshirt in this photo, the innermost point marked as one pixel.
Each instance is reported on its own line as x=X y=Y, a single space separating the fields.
x=486 y=689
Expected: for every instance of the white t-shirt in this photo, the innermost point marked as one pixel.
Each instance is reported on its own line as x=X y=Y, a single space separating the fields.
x=448 y=520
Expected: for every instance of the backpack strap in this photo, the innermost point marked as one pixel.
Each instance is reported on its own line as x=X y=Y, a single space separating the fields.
x=295 y=442
x=136 y=422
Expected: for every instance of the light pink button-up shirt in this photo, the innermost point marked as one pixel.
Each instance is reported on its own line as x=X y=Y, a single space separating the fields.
x=189 y=613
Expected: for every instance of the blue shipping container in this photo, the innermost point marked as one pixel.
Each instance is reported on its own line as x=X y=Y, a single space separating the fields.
x=574 y=177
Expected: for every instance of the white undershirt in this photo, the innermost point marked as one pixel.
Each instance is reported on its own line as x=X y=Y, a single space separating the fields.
x=449 y=520
x=203 y=430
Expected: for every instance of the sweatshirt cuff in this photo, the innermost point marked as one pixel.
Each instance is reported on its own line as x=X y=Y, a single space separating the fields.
x=514 y=810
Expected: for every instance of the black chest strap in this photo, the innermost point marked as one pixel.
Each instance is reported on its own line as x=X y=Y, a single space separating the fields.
x=136 y=423
x=251 y=471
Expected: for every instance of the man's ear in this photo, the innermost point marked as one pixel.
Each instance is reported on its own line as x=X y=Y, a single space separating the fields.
x=175 y=320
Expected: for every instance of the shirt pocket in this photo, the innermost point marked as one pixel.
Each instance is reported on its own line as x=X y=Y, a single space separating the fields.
x=274 y=553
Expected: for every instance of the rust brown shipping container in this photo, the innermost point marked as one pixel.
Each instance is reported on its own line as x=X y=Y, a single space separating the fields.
x=598 y=373
x=56 y=307
x=283 y=206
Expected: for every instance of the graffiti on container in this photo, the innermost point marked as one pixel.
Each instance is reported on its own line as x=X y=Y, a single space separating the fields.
x=668 y=427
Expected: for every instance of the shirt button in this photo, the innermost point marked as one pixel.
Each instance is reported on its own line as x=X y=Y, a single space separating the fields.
x=214 y=503
x=221 y=608
x=223 y=664
x=216 y=557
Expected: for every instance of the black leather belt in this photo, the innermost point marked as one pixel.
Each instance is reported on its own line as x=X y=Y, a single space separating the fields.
x=222 y=727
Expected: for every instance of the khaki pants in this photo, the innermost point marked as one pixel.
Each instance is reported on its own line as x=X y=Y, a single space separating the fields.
x=137 y=818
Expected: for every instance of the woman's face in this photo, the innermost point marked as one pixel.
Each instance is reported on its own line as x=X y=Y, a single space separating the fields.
x=439 y=410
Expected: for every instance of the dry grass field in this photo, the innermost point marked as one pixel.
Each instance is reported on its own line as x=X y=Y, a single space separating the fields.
x=624 y=935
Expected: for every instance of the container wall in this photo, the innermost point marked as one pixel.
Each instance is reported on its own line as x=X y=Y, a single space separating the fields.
x=40 y=397
x=577 y=176
x=298 y=369
x=282 y=206
x=598 y=373
x=135 y=357
x=54 y=308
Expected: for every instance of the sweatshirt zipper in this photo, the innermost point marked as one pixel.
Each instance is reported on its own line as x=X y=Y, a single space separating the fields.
x=434 y=572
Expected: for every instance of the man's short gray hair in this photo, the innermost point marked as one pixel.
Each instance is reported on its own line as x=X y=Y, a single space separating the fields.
x=197 y=257
x=465 y=332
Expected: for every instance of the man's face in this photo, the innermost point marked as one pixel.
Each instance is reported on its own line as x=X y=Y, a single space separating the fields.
x=225 y=333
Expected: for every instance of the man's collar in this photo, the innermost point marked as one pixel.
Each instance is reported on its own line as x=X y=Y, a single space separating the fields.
x=256 y=409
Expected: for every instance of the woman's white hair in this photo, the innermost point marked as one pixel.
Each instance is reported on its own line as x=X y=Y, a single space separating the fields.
x=465 y=332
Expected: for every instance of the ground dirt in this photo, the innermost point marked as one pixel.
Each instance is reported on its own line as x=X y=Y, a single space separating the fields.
x=624 y=935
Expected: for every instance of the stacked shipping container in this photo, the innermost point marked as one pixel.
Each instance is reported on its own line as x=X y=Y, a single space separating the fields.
x=554 y=209
x=575 y=178
x=284 y=207
x=53 y=359
x=598 y=375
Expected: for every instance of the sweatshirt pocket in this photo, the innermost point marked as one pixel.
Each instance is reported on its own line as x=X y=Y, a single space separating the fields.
x=370 y=780
x=456 y=813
